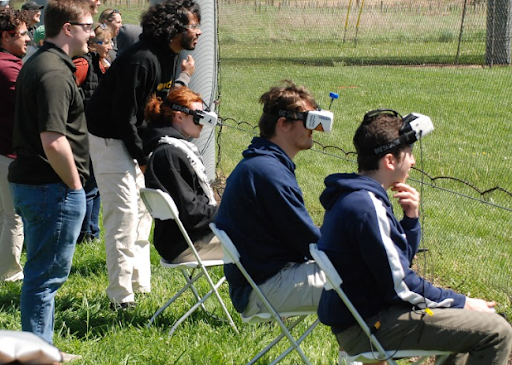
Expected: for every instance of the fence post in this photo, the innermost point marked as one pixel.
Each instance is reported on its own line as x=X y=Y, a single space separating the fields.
x=461 y=31
x=499 y=17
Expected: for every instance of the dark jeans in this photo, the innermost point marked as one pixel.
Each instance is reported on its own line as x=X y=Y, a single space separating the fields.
x=90 y=226
x=51 y=217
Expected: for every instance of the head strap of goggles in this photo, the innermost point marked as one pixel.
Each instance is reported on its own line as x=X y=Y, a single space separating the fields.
x=200 y=117
x=414 y=127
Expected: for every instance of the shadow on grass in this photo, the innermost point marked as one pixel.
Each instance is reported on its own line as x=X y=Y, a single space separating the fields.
x=11 y=293
x=87 y=267
x=435 y=60
x=94 y=318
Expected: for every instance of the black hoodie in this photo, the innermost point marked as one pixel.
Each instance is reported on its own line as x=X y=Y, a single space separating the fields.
x=169 y=170
x=116 y=109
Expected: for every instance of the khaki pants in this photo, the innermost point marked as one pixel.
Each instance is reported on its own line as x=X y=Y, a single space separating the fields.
x=11 y=229
x=126 y=221
x=479 y=338
x=207 y=247
x=297 y=287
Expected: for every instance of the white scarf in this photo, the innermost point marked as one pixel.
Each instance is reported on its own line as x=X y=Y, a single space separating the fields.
x=196 y=161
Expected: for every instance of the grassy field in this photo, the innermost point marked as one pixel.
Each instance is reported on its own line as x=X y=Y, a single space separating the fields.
x=468 y=241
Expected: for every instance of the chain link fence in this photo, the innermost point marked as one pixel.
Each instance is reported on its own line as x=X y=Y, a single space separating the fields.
x=414 y=32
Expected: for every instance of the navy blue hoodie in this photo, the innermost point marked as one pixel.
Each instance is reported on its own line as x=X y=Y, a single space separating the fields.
x=263 y=212
x=372 y=251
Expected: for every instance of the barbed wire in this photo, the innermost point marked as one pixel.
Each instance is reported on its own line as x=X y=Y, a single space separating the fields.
x=340 y=153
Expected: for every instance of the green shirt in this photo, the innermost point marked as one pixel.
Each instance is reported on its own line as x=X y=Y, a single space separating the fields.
x=47 y=100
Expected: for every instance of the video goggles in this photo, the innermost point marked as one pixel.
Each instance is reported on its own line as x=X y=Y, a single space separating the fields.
x=200 y=117
x=316 y=120
x=414 y=127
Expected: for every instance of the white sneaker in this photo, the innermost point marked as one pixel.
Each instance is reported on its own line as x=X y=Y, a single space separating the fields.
x=69 y=357
x=343 y=360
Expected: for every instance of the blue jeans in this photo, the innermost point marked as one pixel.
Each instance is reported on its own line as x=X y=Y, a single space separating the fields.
x=90 y=226
x=52 y=215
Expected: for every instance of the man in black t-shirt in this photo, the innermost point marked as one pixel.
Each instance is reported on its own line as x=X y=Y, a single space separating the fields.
x=50 y=141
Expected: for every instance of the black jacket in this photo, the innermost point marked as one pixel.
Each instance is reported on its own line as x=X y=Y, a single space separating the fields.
x=169 y=170
x=94 y=75
x=116 y=110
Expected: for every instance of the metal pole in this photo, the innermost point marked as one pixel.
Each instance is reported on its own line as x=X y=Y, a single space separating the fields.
x=493 y=30
x=358 y=22
x=461 y=30
x=346 y=20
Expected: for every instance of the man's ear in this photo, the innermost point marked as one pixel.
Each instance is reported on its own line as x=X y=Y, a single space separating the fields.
x=5 y=36
x=67 y=29
x=283 y=124
x=388 y=162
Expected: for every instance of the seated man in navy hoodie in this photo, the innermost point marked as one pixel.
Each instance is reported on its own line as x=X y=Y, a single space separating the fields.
x=263 y=211
x=372 y=251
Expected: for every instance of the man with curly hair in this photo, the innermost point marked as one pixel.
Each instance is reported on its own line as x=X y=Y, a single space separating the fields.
x=115 y=118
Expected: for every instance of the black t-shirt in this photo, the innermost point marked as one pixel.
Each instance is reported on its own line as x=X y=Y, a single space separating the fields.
x=47 y=100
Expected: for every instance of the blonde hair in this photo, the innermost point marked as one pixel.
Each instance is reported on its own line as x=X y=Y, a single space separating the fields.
x=101 y=33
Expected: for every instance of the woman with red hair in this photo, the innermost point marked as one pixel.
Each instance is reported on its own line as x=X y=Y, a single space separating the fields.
x=176 y=167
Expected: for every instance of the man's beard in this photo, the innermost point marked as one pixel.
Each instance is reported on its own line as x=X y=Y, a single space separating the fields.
x=187 y=42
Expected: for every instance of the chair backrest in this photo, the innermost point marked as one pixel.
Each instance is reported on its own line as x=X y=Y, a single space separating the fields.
x=333 y=278
x=162 y=206
x=231 y=254
x=159 y=204
x=334 y=281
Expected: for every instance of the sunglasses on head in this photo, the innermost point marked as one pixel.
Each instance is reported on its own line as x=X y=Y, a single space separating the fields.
x=115 y=11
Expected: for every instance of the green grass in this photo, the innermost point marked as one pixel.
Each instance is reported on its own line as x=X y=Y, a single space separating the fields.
x=85 y=325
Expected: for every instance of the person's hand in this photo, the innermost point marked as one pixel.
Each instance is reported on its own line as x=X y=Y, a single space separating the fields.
x=479 y=305
x=142 y=168
x=188 y=65
x=408 y=198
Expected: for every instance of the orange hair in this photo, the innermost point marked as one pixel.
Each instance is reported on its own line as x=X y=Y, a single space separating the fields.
x=159 y=112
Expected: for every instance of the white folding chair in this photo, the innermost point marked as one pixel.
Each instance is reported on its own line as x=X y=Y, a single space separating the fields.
x=231 y=255
x=161 y=206
x=334 y=282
